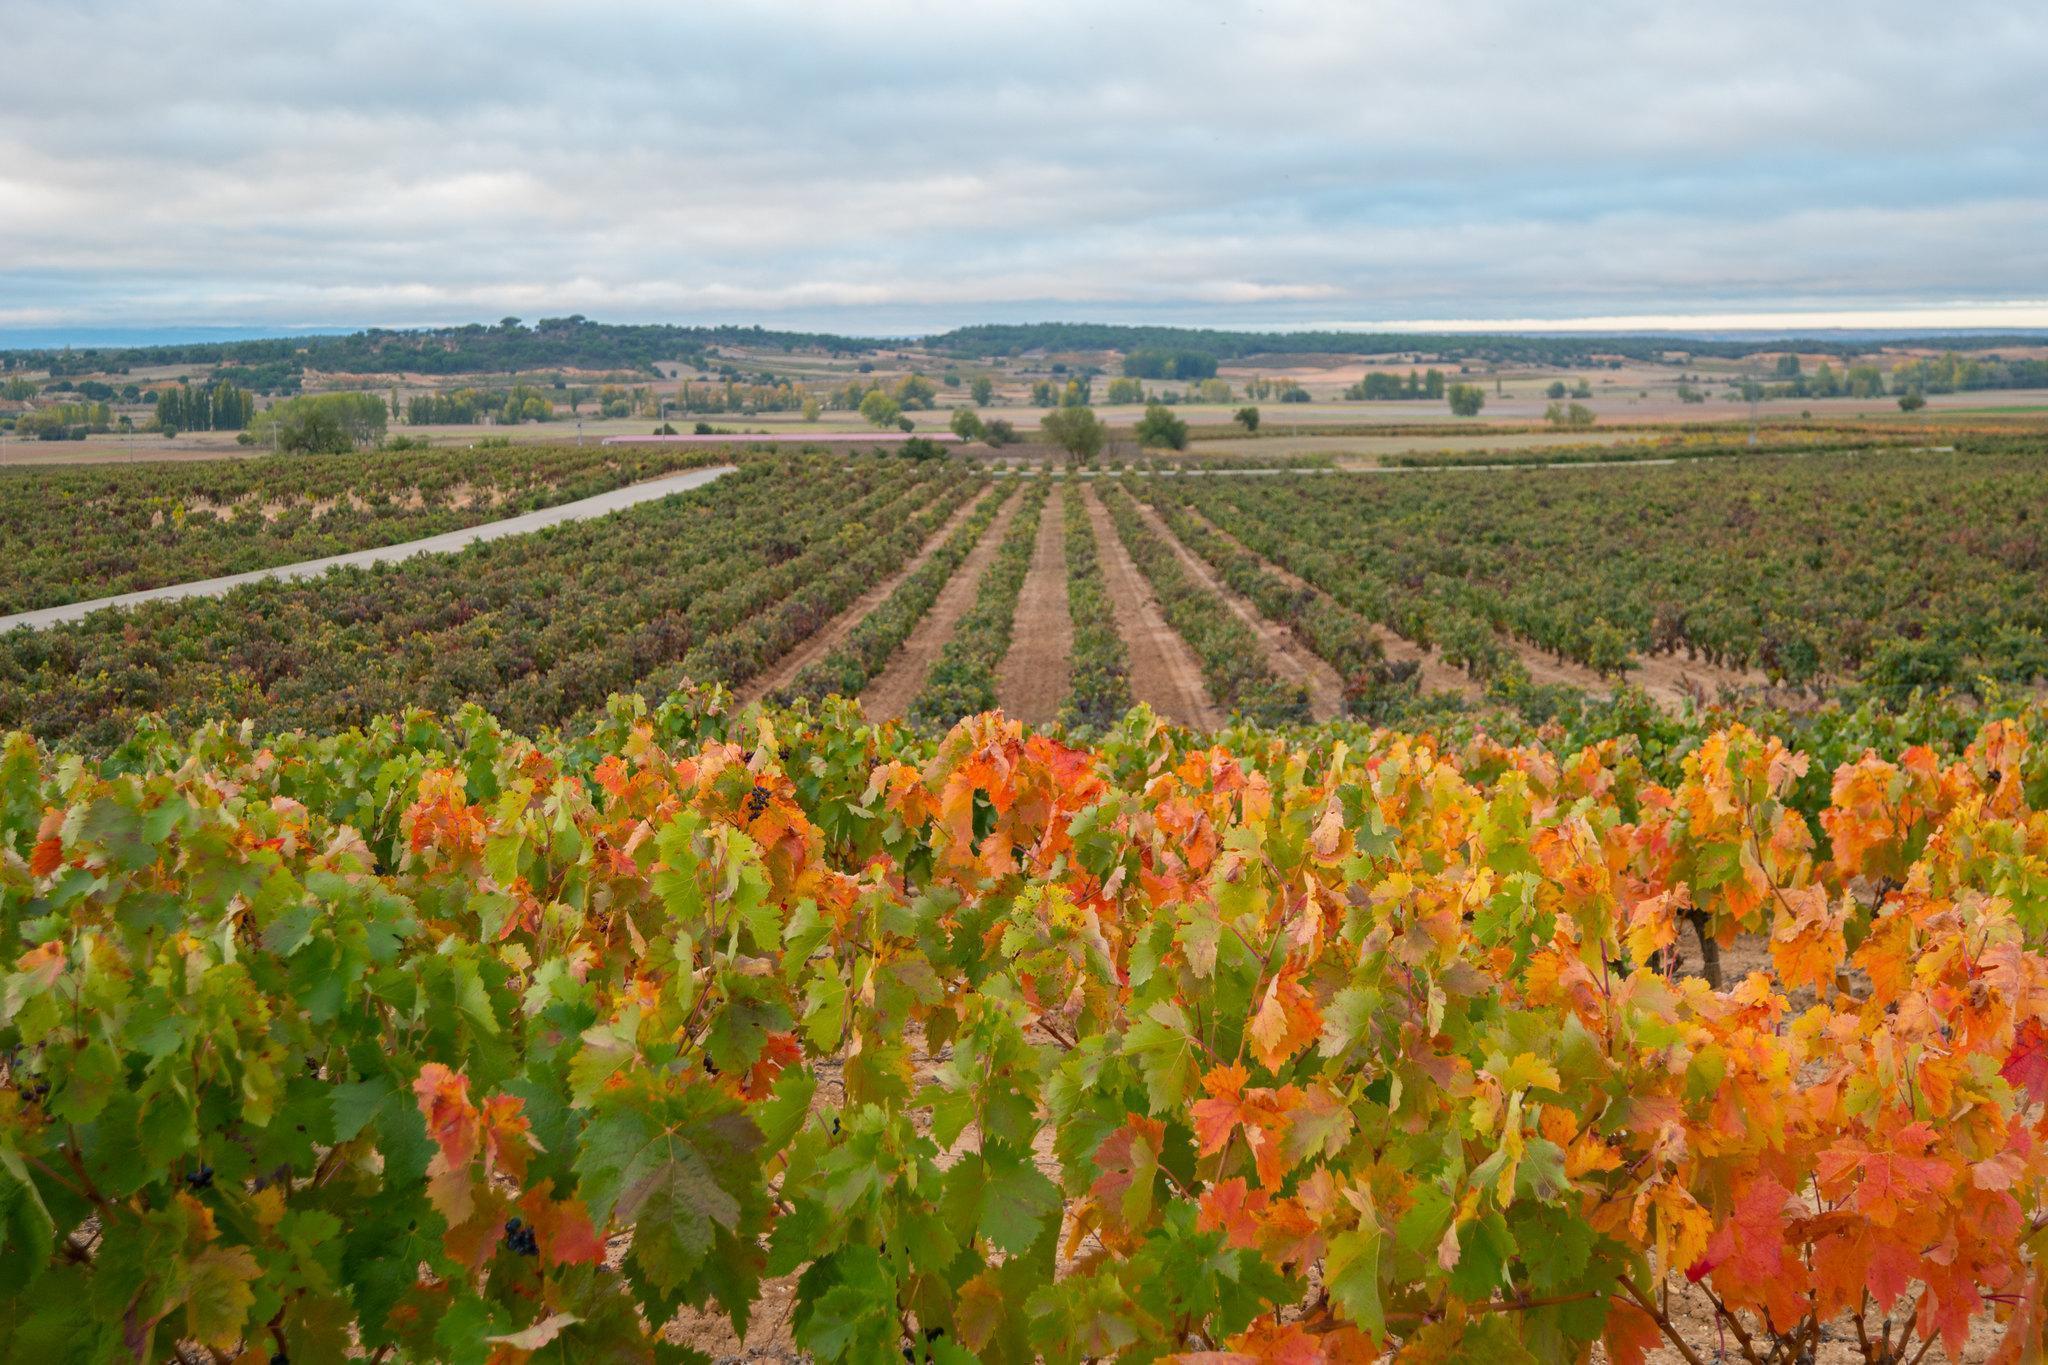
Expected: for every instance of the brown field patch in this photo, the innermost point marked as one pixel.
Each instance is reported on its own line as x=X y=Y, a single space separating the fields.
x=1164 y=671
x=1031 y=683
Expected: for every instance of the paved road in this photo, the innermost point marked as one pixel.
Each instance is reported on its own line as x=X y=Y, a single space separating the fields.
x=446 y=543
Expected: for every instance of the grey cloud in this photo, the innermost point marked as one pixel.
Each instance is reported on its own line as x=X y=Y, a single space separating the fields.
x=370 y=161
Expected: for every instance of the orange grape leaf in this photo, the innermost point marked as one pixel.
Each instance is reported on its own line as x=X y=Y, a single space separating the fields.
x=507 y=1136
x=1219 y=1115
x=1652 y=926
x=451 y=1118
x=1630 y=1333
x=1272 y=1343
x=561 y=1227
x=1806 y=945
x=1287 y=1021
x=2026 y=1066
x=1234 y=1208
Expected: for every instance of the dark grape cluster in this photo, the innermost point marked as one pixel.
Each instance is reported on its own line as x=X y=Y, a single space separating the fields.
x=520 y=1238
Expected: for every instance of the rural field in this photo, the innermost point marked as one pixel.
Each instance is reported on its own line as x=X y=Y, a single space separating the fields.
x=1023 y=684
x=1533 y=895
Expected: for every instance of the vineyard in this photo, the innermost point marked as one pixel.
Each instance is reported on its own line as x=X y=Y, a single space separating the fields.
x=1282 y=599
x=716 y=584
x=75 y=534
x=430 y=1041
x=385 y=979
x=1897 y=570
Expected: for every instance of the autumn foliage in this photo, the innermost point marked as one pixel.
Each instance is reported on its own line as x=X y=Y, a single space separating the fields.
x=432 y=1042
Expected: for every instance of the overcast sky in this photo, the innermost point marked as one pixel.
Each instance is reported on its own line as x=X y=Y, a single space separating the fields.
x=902 y=165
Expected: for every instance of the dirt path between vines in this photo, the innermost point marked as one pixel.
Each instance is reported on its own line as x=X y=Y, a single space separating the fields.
x=1032 y=681
x=888 y=696
x=1674 y=674
x=1434 y=674
x=1164 y=671
x=1292 y=660
x=836 y=631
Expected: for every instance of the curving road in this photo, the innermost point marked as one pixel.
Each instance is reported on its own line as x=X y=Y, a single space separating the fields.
x=446 y=543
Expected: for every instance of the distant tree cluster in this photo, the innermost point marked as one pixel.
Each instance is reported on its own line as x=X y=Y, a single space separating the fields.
x=455 y=407
x=464 y=407
x=271 y=376
x=1151 y=363
x=1281 y=390
x=478 y=348
x=1160 y=428
x=321 y=423
x=1075 y=430
x=912 y=391
x=1954 y=372
x=1077 y=392
x=1564 y=352
x=1378 y=386
x=218 y=406
x=64 y=421
x=733 y=396
x=1465 y=399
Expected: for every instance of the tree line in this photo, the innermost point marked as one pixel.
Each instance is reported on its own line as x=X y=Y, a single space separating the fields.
x=1379 y=386
x=216 y=406
x=1009 y=339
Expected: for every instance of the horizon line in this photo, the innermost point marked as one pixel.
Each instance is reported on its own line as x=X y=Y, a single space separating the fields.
x=2012 y=315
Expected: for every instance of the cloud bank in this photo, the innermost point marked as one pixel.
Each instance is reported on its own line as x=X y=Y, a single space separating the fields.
x=911 y=164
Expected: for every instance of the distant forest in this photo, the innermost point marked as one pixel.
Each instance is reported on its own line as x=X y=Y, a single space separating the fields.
x=1009 y=339
x=508 y=346
x=479 y=348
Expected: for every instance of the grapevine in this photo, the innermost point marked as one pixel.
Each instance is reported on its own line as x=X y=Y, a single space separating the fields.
x=435 y=1041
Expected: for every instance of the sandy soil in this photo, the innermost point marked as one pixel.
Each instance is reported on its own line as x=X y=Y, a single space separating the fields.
x=1032 y=680
x=888 y=696
x=829 y=639
x=1676 y=676
x=1292 y=660
x=1164 y=671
